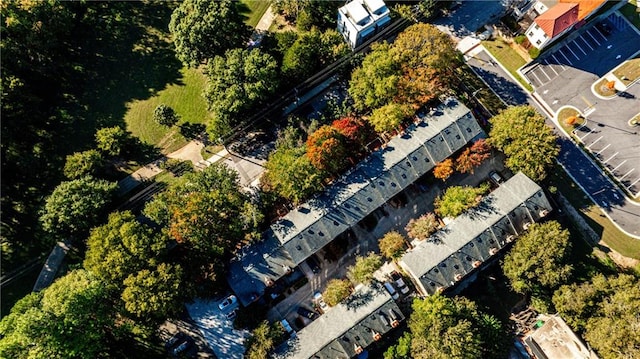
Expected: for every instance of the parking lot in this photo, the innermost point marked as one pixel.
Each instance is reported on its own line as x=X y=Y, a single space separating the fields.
x=564 y=75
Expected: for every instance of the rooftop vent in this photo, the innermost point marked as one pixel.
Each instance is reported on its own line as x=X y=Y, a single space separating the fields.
x=493 y=251
x=476 y=264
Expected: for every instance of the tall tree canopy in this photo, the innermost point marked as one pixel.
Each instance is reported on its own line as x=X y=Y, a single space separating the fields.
x=326 y=149
x=312 y=51
x=529 y=144
x=85 y=163
x=291 y=174
x=238 y=81
x=606 y=309
x=538 y=260
x=156 y=293
x=362 y=270
x=388 y=117
x=427 y=57
x=392 y=245
x=76 y=206
x=122 y=247
x=375 y=82
x=443 y=327
x=202 y=29
x=70 y=319
x=457 y=199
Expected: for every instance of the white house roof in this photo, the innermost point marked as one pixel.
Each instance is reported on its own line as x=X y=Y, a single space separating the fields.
x=356 y=12
x=374 y=5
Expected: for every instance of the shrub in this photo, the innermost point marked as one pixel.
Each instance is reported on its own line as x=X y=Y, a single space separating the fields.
x=519 y=39
x=165 y=115
x=336 y=291
x=421 y=228
x=362 y=270
x=534 y=53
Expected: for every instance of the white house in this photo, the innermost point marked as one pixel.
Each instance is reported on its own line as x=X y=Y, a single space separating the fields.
x=359 y=20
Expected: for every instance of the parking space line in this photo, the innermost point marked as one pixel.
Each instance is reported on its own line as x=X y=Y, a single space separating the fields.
x=609 y=159
x=631 y=185
x=551 y=67
x=561 y=65
x=626 y=174
x=621 y=163
x=541 y=69
x=537 y=78
x=565 y=57
x=594 y=142
x=593 y=37
x=580 y=48
x=574 y=54
x=598 y=31
x=582 y=138
x=605 y=147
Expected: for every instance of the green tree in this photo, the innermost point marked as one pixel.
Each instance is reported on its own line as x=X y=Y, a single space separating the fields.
x=154 y=293
x=427 y=7
x=326 y=149
x=291 y=174
x=539 y=258
x=392 y=245
x=76 y=206
x=598 y=306
x=112 y=140
x=374 y=83
x=388 y=117
x=165 y=115
x=121 y=248
x=529 y=144
x=400 y=350
x=71 y=319
x=362 y=270
x=202 y=29
x=238 y=81
x=312 y=51
x=263 y=340
x=85 y=163
x=458 y=199
x=422 y=227
x=336 y=291
x=443 y=327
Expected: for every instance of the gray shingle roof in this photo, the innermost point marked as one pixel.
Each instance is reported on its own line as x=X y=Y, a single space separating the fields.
x=375 y=180
x=475 y=236
x=334 y=334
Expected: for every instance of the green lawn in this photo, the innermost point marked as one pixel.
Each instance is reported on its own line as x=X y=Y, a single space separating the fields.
x=630 y=71
x=508 y=57
x=631 y=11
x=253 y=10
x=609 y=233
x=185 y=98
x=567 y=112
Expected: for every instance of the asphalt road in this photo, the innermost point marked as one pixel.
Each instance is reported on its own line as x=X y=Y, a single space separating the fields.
x=470 y=17
x=624 y=213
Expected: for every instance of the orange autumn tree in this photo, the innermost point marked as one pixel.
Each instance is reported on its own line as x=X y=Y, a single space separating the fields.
x=353 y=129
x=444 y=169
x=326 y=149
x=473 y=156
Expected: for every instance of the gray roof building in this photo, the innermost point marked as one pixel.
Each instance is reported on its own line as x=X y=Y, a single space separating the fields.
x=554 y=339
x=473 y=238
x=303 y=231
x=346 y=329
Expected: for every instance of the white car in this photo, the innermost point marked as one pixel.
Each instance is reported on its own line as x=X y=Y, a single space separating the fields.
x=397 y=279
x=227 y=302
x=317 y=297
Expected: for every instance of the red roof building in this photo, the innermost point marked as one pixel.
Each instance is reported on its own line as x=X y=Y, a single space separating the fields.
x=557 y=19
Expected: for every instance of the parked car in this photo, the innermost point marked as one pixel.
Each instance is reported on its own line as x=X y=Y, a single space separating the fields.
x=232 y=315
x=183 y=347
x=287 y=327
x=307 y=313
x=228 y=302
x=391 y=290
x=317 y=297
x=495 y=178
x=313 y=264
x=397 y=279
x=178 y=337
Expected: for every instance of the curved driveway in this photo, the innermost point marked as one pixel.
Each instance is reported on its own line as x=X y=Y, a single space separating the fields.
x=621 y=211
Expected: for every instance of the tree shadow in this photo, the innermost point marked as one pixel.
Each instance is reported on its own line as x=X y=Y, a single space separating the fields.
x=192 y=131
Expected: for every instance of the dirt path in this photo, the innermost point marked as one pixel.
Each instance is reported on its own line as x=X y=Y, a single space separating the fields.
x=191 y=152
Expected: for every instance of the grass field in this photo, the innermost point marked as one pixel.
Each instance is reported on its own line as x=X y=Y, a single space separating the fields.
x=609 y=233
x=508 y=57
x=632 y=13
x=253 y=10
x=184 y=97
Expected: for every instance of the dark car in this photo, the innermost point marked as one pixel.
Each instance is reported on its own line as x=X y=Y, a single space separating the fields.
x=307 y=313
x=185 y=345
x=313 y=264
x=178 y=337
